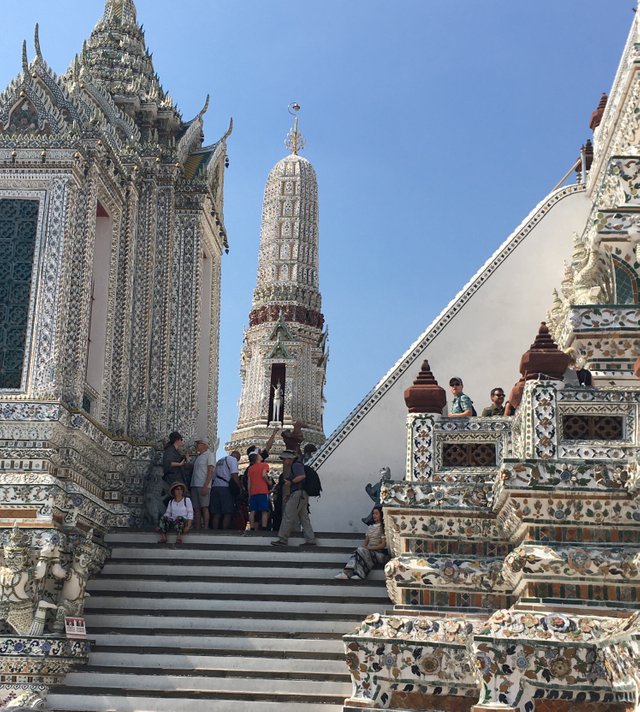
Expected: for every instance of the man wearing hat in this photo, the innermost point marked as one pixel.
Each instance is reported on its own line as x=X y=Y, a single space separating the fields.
x=462 y=405
x=296 y=508
x=203 y=468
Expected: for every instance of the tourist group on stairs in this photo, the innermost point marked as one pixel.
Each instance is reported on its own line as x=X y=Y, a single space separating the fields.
x=205 y=489
x=206 y=493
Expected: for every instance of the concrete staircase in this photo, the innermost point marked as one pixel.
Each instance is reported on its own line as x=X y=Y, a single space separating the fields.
x=224 y=623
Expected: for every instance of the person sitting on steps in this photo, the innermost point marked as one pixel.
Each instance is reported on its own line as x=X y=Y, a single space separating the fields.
x=179 y=514
x=373 y=552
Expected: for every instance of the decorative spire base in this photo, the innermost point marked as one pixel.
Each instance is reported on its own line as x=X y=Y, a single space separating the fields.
x=425 y=395
x=544 y=358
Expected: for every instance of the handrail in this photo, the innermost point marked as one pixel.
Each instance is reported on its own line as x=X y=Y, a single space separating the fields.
x=579 y=162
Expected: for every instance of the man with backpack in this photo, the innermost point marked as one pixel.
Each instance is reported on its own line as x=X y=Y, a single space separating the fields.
x=296 y=508
x=462 y=405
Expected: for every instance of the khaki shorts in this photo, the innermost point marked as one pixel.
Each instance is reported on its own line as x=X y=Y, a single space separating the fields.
x=198 y=500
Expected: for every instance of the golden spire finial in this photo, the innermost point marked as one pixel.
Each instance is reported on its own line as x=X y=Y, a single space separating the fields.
x=295 y=140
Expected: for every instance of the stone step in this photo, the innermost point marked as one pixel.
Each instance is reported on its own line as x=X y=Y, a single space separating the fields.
x=228 y=539
x=273 y=647
x=227 y=603
x=300 y=624
x=287 y=572
x=207 y=555
x=310 y=589
x=72 y=700
x=180 y=661
x=224 y=681
x=134 y=532
x=116 y=573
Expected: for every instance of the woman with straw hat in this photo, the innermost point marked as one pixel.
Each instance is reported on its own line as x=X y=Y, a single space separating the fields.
x=179 y=514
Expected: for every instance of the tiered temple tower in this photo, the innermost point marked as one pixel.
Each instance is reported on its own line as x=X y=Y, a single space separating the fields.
x=112 y=234
x=284 y=356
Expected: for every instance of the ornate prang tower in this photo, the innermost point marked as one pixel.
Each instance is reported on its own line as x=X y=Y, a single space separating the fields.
x=112 y=235
x=284 y=356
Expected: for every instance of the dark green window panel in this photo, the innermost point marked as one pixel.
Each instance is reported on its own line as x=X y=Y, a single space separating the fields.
x=18 y=226
x=626 y=284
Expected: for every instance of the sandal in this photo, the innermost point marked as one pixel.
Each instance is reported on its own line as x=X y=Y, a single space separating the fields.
x=162 y=540
x=179 y=540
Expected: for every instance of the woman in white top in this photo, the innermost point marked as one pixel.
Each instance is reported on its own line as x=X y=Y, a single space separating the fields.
x=179 y=514
x=372 y=553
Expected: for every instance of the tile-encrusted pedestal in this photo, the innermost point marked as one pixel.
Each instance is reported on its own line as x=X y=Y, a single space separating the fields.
x=30 y=665
x=515 y=569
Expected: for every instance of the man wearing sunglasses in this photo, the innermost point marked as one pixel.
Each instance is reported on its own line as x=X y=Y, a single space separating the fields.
x=497 y=404
x=462 y=405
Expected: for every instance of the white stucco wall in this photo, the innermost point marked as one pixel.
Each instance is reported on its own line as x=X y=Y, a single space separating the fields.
x=488 y=326
x=99 y=302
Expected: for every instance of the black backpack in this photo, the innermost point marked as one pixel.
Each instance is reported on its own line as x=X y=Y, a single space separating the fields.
x=312 y=484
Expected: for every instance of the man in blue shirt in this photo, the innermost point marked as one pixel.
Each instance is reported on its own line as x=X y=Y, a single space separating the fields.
x=296 y=508
x=462 y=405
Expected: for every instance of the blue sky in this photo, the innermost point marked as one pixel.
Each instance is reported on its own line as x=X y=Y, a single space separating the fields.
x=434 y=127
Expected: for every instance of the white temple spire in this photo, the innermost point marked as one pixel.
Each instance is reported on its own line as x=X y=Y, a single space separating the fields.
x=283 y=347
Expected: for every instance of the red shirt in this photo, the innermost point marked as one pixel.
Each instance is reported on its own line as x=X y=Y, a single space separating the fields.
x=257 y=484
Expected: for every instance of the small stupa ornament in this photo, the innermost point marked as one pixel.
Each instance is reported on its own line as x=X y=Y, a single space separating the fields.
x=544 y=358
x=295 y=141
x=425 y=395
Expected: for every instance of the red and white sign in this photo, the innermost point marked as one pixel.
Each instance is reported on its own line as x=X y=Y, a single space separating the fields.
x=75 y=627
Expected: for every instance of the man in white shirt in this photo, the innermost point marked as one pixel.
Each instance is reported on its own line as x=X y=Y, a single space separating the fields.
x=222 y=504
x=203 y=468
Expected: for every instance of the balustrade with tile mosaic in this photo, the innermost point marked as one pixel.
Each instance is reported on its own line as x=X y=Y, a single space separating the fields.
x=533 y=559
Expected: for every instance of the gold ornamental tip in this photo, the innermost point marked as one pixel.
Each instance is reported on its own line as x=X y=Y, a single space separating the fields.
x=295 y=141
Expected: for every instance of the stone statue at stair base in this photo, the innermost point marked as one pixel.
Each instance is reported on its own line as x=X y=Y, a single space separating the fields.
x=21 y=607
x=73 y=593
x=33 y=602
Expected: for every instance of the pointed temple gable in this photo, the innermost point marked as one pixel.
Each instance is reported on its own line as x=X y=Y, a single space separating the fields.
x=281 y=330
x=279 y=350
